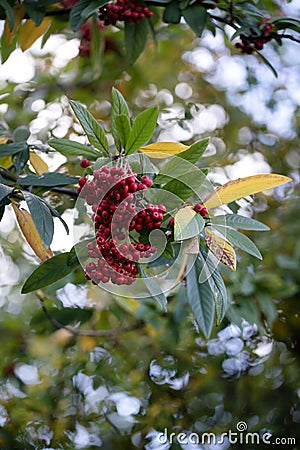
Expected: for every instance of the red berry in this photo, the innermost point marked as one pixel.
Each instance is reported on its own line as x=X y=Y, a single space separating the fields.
x=171 y=222
x=84 y=163
x=204 y=212
x=198 y=207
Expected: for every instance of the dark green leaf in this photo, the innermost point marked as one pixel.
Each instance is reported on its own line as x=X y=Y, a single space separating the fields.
x=172 y=12
x=92 y=7
x=20 y=160
x=12 y=148
x=9 y=12
x=82 y=10
x=218 y=285
x=142 y=129
x=119 y=106
x=48 y=179
x=49 y=272
x=240 y=222
x=239 y=240
x=56 y=214
x=122 y=126
x=21 y=134
x=67 y=147
x=187 y=184
x=41 y=217
x=5 y=191
x=154 y=289
x=2 y=209
x=200 y=297
x=196 y=17
x=35 y=11
x=6 y=49
x=93 y=129
x=135 y=39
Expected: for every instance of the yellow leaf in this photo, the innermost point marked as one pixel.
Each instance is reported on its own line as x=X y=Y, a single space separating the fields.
x=30 y=32
x=163 y=149
x=30 y=233
x=3 y=139
x=192 y=247
x=19 y=12
x=236 y=189
x=6 y=161
x=222 y=250
x=38 y=163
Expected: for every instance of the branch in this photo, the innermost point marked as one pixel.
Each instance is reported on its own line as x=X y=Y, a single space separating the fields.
x=95 y=333
x=290 y=37
x=66 y=191
x=52 y=12
x=7 y=175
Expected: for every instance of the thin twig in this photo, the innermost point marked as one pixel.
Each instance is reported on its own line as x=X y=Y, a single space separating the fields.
x=289 y=36
x=95 y=333
x=52 y=12
x=66 y=191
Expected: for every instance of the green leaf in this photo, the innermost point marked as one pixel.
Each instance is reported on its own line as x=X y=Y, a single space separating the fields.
x=9 y=12
x=186 y=184
x=172 y=12
x=119 y=106
x=97 y=48
x=92 y=7
x=35 y=11
x=41 y=217
x=142 y=129
x=135 y=38
x=5 y=191
x=102 y=161
x=154 y=289
x=55 y=213
x=176 y=167
x=200 y=297
x=217 y=283
x=187 y=224
x=240 y=222
x=122 y=126
x=47 y=179
x=67 y=147
x=2 y=210
x=268 y=64
x=82 y=10
x=93 y=129
x=49 y=272
x=239 y=240
x=12 y=148
x=196 y=17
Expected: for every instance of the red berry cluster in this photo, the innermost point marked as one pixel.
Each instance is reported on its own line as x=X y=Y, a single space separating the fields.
x=199 y=208
x=117 y=209
x=257 y=39
x=124 y=11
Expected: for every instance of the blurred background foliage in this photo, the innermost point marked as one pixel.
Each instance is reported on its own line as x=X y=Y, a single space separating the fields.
x=61 y=391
